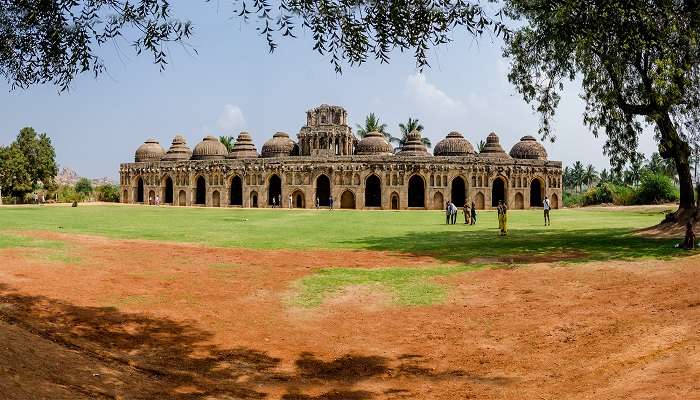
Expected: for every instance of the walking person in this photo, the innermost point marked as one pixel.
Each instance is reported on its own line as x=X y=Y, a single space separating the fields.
x=473 y=213
x=467 y=213
x=503 y=217
x=448 y=209
x=330 y=203
x=547 y=207
x=157 y=200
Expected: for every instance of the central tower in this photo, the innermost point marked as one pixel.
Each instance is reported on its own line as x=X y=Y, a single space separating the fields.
x=326 y=132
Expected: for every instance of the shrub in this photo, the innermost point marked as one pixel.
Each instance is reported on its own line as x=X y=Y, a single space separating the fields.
x=655 y=188
x=573 y=199
x=606 y=193
x=108 y=192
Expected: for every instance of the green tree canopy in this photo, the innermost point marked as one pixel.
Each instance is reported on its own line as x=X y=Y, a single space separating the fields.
x=228 y=142
x=408 y=127
x=372 y=124
x=639 y=65
x=26 y=162
x=83 y=187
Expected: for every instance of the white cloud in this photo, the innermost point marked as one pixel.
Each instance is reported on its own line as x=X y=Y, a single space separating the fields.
x=429 y=96
x=231 y=119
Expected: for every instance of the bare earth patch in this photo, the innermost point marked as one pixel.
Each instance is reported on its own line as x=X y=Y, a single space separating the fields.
x=145 y=320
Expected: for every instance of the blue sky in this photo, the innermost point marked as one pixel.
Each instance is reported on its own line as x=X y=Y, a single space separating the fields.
x=234 y=84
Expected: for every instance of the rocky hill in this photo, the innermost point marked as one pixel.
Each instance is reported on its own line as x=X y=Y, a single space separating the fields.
x=67 y=176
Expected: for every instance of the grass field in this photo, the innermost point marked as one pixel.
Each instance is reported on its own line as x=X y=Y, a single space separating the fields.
x=343 y=305
x=575 y=235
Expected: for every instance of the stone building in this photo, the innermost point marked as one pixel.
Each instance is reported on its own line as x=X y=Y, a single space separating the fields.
x=327 y=160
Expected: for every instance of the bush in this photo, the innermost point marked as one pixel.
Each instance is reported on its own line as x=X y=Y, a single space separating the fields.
x=67 y=194
x=108 y=192
x=655 y=189
x=572 y=199
x=608 y=193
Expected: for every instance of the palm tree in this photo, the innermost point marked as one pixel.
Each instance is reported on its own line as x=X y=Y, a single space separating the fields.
x=372 y=124
x=228 y=142
x=408 y=127
x=481 y=145
x=577 y=174
x=590 y=176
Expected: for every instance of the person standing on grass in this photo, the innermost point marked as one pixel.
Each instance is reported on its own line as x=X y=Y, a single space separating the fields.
x=448 y=209
x=317 y=202
x=467 y=213
x=499 y=210
x=503 y=217
x=473 y=213
x=454 y=213
x=157 y=200
x=330 y=203
x=290 y=201
x=547 y=207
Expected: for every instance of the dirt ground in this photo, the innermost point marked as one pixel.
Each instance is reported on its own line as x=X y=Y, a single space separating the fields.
x=145 y=320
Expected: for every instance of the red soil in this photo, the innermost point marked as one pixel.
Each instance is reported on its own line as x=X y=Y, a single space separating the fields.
x=147 y=320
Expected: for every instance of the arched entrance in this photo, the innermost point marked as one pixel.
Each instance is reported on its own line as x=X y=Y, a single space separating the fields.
x=216 y=199
x=498 y=191
x=236 y=195
x=201 y=194
x=151 y=197
x=323 y=190
x=438 y=201
x=347 y=200
x=182 y=198
x=479 y=201
x=373 y=191
x=254 y=199
x=555 y=201
x=168 y=193
x=139 y=190
x=416 y=191
x=395 y=201
x=274 y=189
x=519 y=202
x=298 y=198
x=459 y=192
x=536 y=192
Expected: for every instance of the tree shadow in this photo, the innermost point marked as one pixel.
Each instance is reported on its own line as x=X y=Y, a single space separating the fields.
x=100 y=352
x=526 y=246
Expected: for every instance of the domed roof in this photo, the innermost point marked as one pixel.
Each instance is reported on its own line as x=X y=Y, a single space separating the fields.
x=244 y=147
x=279 y=146
x=414 y=146
x=493 y=147
x=373 y=143
x=178 y=150
x=454 y=144
x=529 y=148
x=210 y=148
x=150 y=150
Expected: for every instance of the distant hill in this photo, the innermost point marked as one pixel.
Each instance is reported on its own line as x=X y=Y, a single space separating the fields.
x=68 y=176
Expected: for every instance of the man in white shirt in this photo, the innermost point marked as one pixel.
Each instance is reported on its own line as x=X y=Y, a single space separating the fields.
x=547 y=207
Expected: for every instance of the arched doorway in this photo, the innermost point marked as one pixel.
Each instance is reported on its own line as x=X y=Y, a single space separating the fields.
x=347 y=200
x=438 y=201
x=536 y=192
x=479 y=201
x=323 y=190
x=254 y=199
x=519 y=202
x=274 y=190
x=373 y=191
x=555 y=201
x=151 y=197
x=236 y=195
x=201 y=194
x=216 y=199
x=168 y=193
x=139 y=190
x=182 y=198
x=459 y=192
x=416 y=191
x=395 y=201
x=498 y=191
x=298 y=198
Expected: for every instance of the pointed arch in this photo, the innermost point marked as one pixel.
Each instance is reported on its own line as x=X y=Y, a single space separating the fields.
x=201 y=191
x=254 y=199
x=274 y=189
x=347 y=200
x=519 y=201
x=373 y=191
x=554 y=201
x=323 y=190
x=438 y=201
x=498 y=191
x=395 y=202
x=236 y=195
x=182 y=198
x=459 y=191
x=416 y=191
x=168 y=190
x=139 y=190
x=479 y=201
x=298 y=199
x=536 y=192
x=216 y=199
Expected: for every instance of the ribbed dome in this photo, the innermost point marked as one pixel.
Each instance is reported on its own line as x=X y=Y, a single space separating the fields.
x=150 y=150
x=210 y=148
x=178 y=150
x=244 y=147
x=373 y=143
x=413 y=146
x=454 y=144
x=529 y=148
x=493 y=148
x=279 y=146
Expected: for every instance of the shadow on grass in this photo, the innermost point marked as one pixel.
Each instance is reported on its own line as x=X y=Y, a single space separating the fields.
x=528 y=246
x=63 y=351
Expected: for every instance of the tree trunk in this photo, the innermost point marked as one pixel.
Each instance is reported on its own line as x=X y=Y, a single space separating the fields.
x=674 y=147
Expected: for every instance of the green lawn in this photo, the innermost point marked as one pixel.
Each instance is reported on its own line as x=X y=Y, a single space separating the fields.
x=576 y=234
